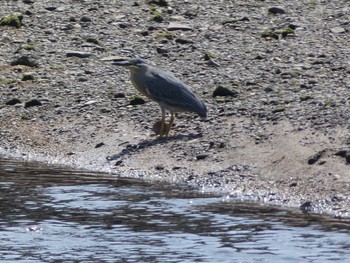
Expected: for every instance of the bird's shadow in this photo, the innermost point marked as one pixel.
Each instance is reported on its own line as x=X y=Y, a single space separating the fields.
x=135 y=148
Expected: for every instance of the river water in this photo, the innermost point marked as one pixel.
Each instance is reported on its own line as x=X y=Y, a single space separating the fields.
x=51 y=214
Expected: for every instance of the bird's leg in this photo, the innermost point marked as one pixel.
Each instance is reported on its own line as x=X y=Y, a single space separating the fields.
x=170 y=123
x=162 y=126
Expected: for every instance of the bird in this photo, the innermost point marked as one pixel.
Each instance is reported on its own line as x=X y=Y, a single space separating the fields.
x=165 y=89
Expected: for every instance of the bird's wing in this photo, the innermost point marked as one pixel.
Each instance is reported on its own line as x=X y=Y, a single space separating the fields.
x=166 y=89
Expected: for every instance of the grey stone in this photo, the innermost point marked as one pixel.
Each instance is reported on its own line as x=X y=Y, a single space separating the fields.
x=178 y=26
x=277 y=10
x=79 y=54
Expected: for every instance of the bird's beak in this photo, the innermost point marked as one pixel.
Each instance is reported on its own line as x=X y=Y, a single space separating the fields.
x=121 y=63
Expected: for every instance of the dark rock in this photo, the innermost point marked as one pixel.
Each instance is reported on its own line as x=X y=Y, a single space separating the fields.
x=123 y=25
x=32 y=103
x=277 y=10
x=144 y=33
x=183 y=41
x=99 y=145
x=157 y=2
x=191 y=177
x=161 y=50
x=85 y=19
x=233 y=21
x=118 y=163
x=78 y=54
x=51 y=8
x=223 y=92
x=268 y=89
x=345 y=154
x=306 y=206
x=25 y=61
x=313 y=159
x=159 y=167
x=137 y=101
x=92 y=40
x=201 y=156
x=28 y=2
x=292 y=26
x=119 y=95
x=13 y=101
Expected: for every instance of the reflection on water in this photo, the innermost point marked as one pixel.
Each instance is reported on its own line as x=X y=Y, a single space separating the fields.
x=48 y=214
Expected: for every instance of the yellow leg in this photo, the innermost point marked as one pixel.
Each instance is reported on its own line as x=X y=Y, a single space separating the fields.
x=162 y=126
x=170 y=123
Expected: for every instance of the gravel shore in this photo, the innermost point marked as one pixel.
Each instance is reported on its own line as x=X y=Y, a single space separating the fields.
x=280 y=135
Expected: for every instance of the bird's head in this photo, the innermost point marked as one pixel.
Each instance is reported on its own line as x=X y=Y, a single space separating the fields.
x=131 y=64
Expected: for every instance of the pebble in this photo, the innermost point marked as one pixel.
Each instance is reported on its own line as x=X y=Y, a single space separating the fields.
x=13 y=101
x=178 y=26
x=201 y=156
x=32 y=103
x=277 y=10
x=79 y=54
x=338 y=30
x=99 y=145
x=224 y=92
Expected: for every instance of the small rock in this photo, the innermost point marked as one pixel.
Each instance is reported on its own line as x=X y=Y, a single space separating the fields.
x=137 y=101
x=92 y=40
x=159 y=167
x=13 y=101
x=85 y=19
x=157 y=2
x=51 y=8
x=32 y=103
x=338 y=30
x=277 y=10
x=178 y=26
x=213 y=63
x=306 y=206
x=78 y=54
x=223 y=92
x=268 y=89
x=99 y=145
x=183 y=41
x=124 y=25
x=345 y=154
x=313 y=159
x=161 y=50
x=119 y=95
x=118 y=163
x=201 y=156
